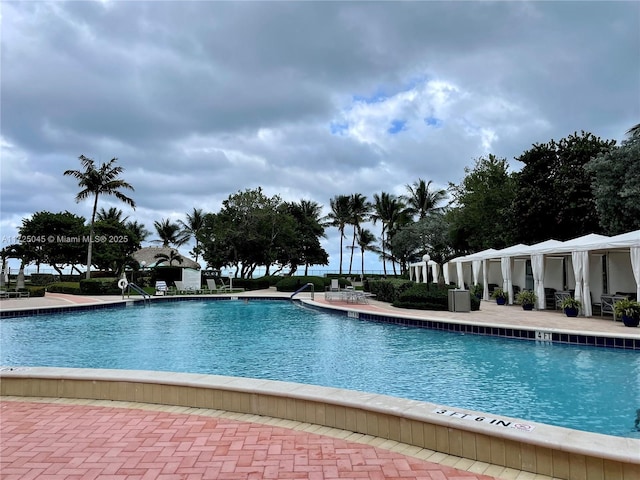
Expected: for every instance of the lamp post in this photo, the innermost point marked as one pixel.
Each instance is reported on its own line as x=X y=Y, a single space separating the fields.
x=142 y=265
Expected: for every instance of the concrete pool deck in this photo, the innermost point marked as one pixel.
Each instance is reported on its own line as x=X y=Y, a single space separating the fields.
x=64 y=391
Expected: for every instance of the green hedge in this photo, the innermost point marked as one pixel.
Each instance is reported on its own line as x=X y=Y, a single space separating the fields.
x=41 y=279
x=387 y=290
x=72 y=288
x=35 y=291
x=255 y=283
x=291 y=284
x=423 y=296
x=100 y=286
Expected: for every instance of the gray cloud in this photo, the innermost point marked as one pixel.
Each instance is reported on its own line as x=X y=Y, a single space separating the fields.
x=201 y=99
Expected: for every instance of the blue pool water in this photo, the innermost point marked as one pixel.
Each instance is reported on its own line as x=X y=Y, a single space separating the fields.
x=585 y=388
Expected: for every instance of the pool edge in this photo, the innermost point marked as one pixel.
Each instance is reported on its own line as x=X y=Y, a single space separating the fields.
x=547 y=450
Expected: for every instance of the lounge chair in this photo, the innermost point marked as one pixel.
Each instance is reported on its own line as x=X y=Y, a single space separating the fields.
x=181 y=290
x=161 y=287
x=218 y=287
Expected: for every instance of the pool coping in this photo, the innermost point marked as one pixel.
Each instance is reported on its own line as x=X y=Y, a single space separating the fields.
x=509 y=442
x=547 y=450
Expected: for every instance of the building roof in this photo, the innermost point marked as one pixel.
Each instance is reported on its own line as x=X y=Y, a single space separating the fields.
x=148 y=256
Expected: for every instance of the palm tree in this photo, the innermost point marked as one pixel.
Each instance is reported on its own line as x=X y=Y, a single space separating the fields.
x=192 y=228
x=173 y=256
x=170 y=233
x=365 y=242
x=95 y=182
x=339 y=217
x=113 y=213
x=421 y=201
x=359 y=210
x=391 y=212
x=634 y=131
x=138 y=231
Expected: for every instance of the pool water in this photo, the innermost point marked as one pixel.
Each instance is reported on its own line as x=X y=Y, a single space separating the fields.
x=585 y=388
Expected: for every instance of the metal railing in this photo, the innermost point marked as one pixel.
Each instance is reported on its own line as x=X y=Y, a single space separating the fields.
x=303 y=288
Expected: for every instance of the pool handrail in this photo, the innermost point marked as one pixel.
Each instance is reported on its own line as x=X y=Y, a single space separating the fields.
x=302 y=288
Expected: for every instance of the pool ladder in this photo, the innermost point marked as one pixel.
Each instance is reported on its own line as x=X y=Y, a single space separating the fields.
x=303 y=288
x=145 y=296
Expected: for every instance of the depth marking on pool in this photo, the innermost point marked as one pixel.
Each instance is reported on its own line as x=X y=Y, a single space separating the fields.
x=479 y=418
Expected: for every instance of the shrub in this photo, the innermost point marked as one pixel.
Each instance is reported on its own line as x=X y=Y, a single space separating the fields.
x=526 y=297
x=34 y=291
x=100 y=286
x=291 y=284
x=253 y=283
x=72 y=288
x=41 y=278
x=423 y=296
x=388 y=290
x=477 y=290
x=475 y=303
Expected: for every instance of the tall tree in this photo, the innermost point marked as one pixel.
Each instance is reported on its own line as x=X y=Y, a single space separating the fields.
x=554 y=197
x=103 y=180
x=170 y=233
x=481 y=214
x=616 y=186
x=309 y=231
x=359 y=211
x=113 y=213
x=192 y=228
x=392 y=213
x=421 y=200
x=339 y=217
x=366 y=242
x=62 y=245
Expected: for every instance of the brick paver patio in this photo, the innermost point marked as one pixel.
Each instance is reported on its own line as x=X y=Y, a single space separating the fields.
x=52 y=441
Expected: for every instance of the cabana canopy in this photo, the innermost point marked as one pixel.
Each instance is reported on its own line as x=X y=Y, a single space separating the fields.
x=579 y=249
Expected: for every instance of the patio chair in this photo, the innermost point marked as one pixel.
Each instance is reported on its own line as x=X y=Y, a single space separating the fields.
x=161 y=287
x=219 y=288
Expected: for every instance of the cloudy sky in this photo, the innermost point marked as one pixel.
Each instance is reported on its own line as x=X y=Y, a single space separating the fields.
x=308 y=100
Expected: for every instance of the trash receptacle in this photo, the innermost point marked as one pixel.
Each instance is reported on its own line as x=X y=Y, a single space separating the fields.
x=459 y=301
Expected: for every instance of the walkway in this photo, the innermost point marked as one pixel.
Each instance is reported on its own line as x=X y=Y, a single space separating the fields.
x=81 y=439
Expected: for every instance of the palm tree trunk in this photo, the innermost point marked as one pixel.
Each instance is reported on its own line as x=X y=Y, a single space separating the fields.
x=353 y=247
x=341 y=237
x=90 y=249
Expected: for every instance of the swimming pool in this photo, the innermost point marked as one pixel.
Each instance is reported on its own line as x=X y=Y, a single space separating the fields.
x=585 y=388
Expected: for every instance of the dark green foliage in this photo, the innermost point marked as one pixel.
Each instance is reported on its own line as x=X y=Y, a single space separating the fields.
x=72 y=288
x=423 y=296
x=35 y=291
x=41 y=278
x=477 y=290
x=254 y=283
x=100 y=286
x=291 y=284
x=481 y=218
x=388 y=290
x=475 y=303
x=554 y=197
x=616 y=187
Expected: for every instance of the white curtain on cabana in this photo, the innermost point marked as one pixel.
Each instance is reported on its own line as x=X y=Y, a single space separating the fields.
x=445 y=273
x=635 y=266
x=411 y=273
x=425 y=277
x=460 y=274
x=586 y=288
x=537 y=267
x=485 y=281
x=475 y=265
x=576 y=260
x=507 y=286
x=578 y=269
x=434 y=271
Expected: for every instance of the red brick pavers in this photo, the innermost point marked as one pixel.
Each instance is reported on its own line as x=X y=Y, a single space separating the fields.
x=51 y=441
